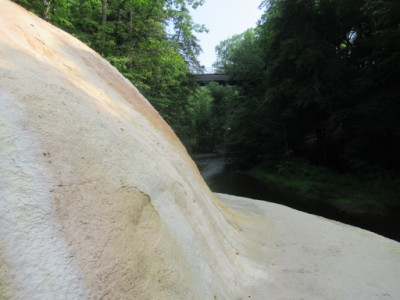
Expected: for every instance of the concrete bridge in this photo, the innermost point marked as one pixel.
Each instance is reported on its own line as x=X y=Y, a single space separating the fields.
x=203 y=79
x=210 y=75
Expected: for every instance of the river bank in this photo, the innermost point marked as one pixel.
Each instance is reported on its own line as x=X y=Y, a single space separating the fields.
x=344 y=191
x=304 y=195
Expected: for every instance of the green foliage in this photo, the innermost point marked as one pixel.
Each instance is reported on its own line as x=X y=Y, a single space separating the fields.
x=318 y=80
x=240 y=57
x=346 y=191
x=208 y=110
x=55 y=11
x=201 y=116
x=184 y=37
x=374 y=123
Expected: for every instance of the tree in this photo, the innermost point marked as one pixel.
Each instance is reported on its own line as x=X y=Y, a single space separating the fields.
x=55 y=11
x=307 y=74
x=184 y=29
x=373 y=125
x=240 y=57
x=201 y=120
x=318 y=79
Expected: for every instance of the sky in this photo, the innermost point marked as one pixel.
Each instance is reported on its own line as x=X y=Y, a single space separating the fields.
x=223 y=19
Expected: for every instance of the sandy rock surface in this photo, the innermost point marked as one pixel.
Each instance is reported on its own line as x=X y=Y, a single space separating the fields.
x=100 y=200
x=309 y=257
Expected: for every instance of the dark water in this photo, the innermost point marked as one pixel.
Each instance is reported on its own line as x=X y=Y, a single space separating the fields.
x=223 y=178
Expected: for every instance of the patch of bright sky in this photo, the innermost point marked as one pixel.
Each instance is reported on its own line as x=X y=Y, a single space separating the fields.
x=223 y=19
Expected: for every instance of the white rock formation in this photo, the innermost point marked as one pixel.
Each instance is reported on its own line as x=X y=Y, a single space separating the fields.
x=99 y=199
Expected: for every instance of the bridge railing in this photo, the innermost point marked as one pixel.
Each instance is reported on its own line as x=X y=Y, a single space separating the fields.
x=205 y=78
x=208 y=70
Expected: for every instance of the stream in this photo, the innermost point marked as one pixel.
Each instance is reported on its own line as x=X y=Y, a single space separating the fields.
x=222 y=177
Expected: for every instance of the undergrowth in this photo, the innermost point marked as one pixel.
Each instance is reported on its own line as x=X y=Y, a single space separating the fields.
x=345 y=190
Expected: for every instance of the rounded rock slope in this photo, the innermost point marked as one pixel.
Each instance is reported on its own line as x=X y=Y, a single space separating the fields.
x=100 y=200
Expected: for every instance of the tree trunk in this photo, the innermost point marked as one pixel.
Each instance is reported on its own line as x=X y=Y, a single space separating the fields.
x=286 y=141
x=321 y=140
x=104 y=6
x=131 y=21
x=46 y=12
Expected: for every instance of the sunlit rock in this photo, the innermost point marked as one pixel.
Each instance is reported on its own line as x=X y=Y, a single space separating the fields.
x=100 y=200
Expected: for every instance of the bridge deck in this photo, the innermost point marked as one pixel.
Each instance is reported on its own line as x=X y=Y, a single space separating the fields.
x=211 y=77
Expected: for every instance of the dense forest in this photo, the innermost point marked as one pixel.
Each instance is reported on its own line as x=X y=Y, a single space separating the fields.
x=322 y=79
x=313 y=100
